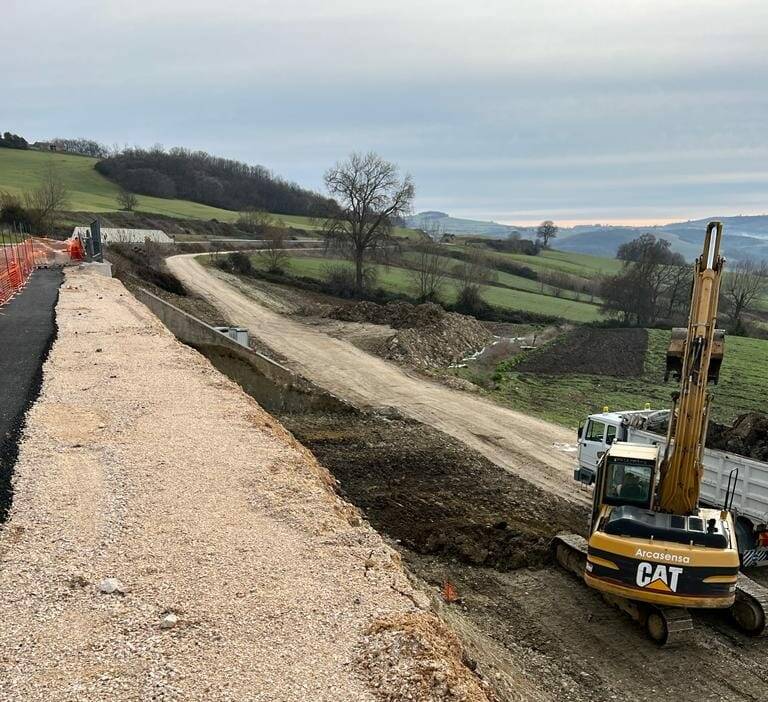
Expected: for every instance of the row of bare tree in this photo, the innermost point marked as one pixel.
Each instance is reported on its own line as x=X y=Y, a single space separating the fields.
x=654 y=286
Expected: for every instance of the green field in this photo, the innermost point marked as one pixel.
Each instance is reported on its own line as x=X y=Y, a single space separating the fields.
x=310 y=224
x=398 y=280
x=568 y=399
x=581 y=265
x=518 y=282
x=23 y=170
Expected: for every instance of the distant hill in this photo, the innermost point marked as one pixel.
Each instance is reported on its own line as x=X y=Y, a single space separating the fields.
x=465 y=227
x=745 y=237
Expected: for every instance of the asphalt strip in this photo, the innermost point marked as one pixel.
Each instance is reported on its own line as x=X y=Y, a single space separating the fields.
x=27 y=331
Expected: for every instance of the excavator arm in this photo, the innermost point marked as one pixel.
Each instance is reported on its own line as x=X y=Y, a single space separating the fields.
x=694 y=356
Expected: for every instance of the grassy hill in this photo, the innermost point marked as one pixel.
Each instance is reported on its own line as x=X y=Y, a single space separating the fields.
x=582 y=265
x=457 y=225
x=397 y=280
x=23 y=170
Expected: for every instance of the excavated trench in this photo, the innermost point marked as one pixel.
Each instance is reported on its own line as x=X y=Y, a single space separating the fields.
x=528 y=627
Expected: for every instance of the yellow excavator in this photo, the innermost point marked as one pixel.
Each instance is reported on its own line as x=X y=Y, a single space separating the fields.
x=653 y=551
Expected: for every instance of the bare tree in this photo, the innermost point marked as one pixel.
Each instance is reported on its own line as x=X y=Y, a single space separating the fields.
x=429 y=270
x=371 y=194
x=47 y=200
x=127 y=200
x=651 y=273
x=255 y=221
x=472 y=275
x=547 y=230
x=274 y=253
x=743 y=284
x=677 y=294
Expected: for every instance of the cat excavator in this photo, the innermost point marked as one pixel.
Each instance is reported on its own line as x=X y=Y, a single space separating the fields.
x=653 y=551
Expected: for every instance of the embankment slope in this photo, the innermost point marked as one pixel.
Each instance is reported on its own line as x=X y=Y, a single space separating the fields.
x=141 y=462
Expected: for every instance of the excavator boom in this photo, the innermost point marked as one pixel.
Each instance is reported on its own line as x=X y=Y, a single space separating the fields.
x=698 y=360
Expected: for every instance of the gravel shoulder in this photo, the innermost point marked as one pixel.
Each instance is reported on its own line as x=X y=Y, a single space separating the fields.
x=141 y=462
x=531 y=448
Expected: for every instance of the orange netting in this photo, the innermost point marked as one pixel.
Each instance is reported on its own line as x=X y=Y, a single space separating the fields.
x=19 y=256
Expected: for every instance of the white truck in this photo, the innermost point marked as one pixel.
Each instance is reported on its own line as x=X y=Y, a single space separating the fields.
x=728 y=478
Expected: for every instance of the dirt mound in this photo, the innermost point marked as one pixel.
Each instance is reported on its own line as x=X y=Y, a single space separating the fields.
x=416 y=656
x=747 y=436
x=398 y=315
x=448 y=341
x=617 y=352
x=426 y=335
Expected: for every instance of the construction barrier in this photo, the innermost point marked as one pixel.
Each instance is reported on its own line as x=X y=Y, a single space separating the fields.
x=20 y=255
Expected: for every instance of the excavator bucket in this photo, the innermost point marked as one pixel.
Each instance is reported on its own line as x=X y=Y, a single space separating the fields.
x=676 y=355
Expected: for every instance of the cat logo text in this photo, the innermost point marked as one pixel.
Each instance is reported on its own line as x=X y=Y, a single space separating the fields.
x=657 y=576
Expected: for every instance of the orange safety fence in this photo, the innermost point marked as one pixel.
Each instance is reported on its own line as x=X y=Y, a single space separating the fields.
x=20 y=255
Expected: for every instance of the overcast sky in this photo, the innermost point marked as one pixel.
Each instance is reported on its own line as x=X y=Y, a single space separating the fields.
x=596 y=110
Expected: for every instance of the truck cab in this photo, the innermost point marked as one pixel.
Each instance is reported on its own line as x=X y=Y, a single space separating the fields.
x=595 y=436
x=598 y=433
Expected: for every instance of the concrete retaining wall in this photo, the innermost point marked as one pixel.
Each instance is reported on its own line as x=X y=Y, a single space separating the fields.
x=274 y=386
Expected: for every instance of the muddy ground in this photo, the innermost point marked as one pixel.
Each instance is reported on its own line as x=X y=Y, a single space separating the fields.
x=530 y=628
x=434 y=495
x=618 y=352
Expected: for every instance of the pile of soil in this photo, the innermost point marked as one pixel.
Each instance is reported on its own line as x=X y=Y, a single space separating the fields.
x=747 y=436
x=426 y=335
x=615 y=352
x=447 y=342
x=418 y=657
x=398 y=315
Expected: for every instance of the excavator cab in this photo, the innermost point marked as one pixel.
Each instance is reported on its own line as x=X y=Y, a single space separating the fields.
x=626 y=475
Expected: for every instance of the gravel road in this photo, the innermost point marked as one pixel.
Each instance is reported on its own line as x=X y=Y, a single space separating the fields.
x=240 y=574
x=529 y=447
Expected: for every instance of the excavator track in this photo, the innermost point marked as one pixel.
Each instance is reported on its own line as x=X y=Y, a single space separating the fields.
x=667 y=626
x=749 y=610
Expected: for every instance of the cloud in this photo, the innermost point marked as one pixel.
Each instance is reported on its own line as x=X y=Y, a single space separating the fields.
x=596 y=106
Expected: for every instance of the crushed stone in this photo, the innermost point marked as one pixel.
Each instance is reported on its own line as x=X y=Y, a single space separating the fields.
x=144 y=462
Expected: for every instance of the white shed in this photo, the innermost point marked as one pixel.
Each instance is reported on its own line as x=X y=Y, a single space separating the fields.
x=114 y=235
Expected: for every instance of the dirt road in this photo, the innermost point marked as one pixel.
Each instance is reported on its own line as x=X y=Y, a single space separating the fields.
x=531 y=448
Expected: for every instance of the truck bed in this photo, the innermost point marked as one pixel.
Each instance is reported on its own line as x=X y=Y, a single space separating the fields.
x=751 y=492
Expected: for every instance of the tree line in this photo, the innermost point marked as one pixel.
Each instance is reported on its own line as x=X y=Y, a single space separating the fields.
x=210 y=180
x=80 y=146
x=654 y=287
x=13 y=141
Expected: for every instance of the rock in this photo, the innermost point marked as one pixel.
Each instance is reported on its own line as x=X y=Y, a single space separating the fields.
x=169 y=621
x=111 y=586
x=77 y=580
